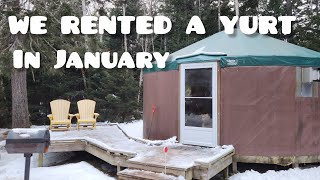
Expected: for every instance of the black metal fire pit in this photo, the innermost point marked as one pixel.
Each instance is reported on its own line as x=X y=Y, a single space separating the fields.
x=27 y=141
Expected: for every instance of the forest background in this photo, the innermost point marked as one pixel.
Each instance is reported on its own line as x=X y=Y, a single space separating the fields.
x=25 y=94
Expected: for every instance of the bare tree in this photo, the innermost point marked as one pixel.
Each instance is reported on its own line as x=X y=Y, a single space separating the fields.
x=83 y=72
x=219 y=14
x=236 y=6
x=146 y=42
x=124 y=7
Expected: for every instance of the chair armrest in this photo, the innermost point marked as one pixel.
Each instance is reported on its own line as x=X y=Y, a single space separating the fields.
x=50 y=116
x=71 y=116
x=96 y=115
x=77 y=115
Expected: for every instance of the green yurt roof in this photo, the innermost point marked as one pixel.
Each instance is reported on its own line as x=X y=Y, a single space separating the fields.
x=240 y=49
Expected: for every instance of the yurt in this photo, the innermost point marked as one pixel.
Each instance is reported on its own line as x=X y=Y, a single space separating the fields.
x=255 y=92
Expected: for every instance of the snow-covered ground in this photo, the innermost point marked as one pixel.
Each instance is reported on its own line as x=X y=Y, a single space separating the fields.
x=12 y=166
x=79 y=171
x=291 y=174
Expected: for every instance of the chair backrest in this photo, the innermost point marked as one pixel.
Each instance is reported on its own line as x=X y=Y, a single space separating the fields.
x=86 y=108
x=60 y=109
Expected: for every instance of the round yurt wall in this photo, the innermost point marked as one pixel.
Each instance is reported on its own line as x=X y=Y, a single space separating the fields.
x=160 y=104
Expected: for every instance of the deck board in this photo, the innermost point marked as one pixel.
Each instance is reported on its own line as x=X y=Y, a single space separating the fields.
x=110 y=144
x=147 y=175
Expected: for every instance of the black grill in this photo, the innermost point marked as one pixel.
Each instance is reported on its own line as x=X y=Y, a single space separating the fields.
x=27 y=141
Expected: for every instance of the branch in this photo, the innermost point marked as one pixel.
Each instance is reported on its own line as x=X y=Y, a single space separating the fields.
x=49 y=44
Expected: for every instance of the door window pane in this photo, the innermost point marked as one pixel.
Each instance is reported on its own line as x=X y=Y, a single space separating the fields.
x=198 y=82
x=199 y=113
x=306 y=89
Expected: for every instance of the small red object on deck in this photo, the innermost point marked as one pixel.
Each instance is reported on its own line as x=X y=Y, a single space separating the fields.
x=165 y=149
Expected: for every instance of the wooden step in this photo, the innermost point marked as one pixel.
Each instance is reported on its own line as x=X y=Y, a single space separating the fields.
x=186 y=173
x=134 y=174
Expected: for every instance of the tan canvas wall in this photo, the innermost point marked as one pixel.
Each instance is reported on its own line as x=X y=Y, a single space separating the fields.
x=261 y=115
x=161 y=90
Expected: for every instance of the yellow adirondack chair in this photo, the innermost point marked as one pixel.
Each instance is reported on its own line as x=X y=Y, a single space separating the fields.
x=86 y=115
x=60 y=114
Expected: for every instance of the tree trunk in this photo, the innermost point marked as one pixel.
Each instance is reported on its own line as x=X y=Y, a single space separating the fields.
x=83 y=72
x=289 y=7
x=165 y=43
x=236 y=6
x=140 y=84
x=2 y=93
x=317 y=7
x=219 y=14
x=199 y=8
x=125 y=36
x=20 y=112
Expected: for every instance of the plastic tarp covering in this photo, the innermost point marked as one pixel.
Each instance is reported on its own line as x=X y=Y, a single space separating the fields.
x=261 y=115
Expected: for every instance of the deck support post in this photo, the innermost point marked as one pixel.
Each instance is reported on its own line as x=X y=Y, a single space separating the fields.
x=295 y=165
x=226 y=173
x=234 y=166
x=118 y=168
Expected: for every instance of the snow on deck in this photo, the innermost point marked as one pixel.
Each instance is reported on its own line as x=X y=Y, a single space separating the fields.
x=112 y=138
x=179 y=156
x=133 y=129
x=108 y=137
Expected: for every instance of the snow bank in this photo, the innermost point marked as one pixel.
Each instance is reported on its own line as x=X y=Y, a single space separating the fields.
x=292 y=174
x=2 y=143
x=220 y=152
x=133 y=129
x=168 y=142
x=79 y=171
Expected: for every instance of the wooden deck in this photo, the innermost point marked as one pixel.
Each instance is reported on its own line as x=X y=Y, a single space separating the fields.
x=112 y=145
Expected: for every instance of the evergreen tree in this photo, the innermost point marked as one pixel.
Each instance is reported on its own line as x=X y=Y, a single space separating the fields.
x=116 y=91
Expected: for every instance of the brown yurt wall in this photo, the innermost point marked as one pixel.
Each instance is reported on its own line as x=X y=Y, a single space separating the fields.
x=261 y=115
x=161 y=89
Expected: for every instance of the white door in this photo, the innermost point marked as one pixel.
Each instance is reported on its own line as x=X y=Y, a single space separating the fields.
x=198 y=104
